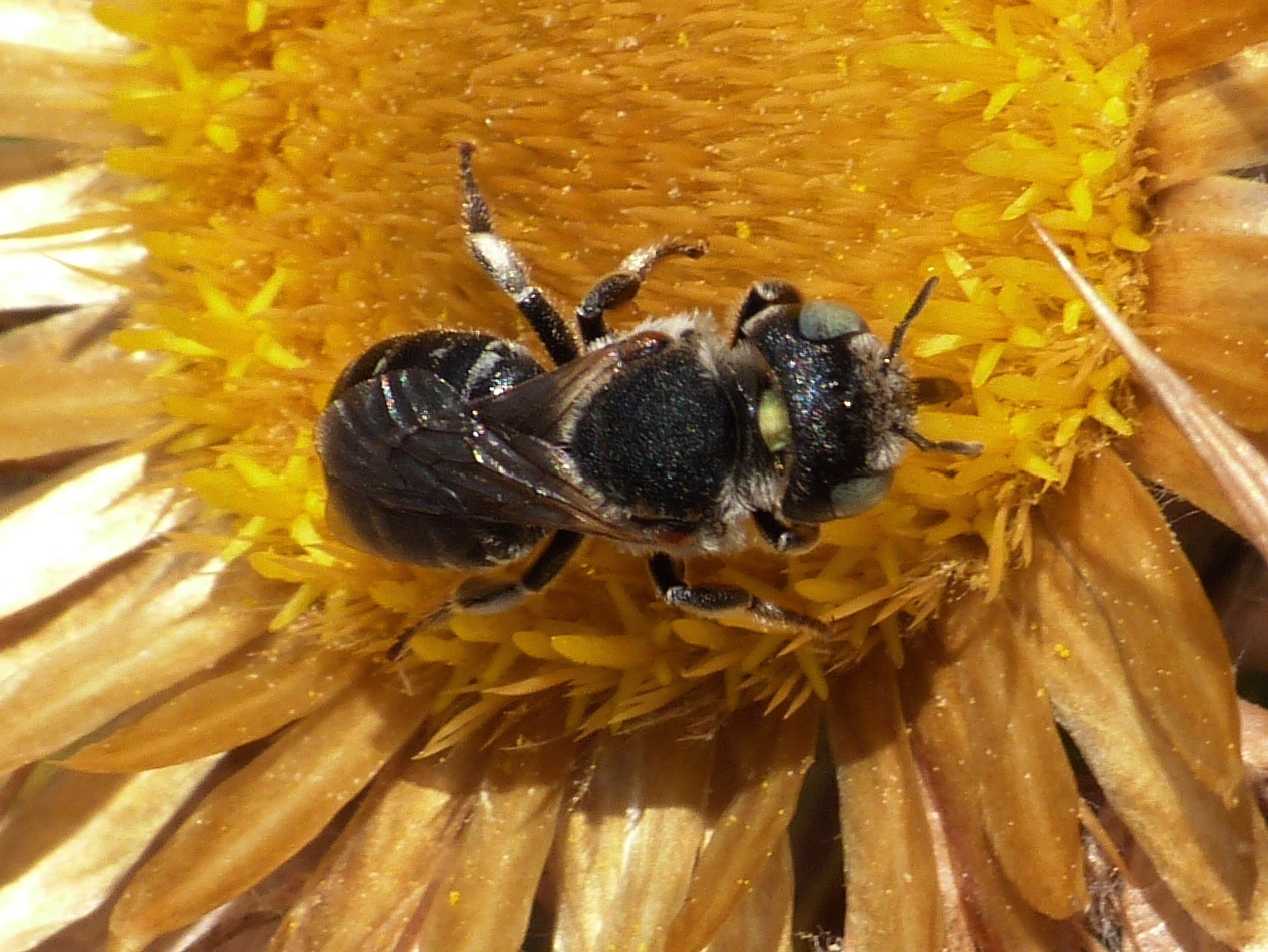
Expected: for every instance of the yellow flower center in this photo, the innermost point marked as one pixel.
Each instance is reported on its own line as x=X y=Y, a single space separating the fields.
x=300 y=202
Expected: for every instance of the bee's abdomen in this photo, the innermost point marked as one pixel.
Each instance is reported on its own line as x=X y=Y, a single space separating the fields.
x=355 y=425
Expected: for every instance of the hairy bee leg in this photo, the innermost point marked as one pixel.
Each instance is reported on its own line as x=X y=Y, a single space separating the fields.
x=620 y=286
x=761 y=295
x=507 y=269
x=785 y=537
x=727 y=602
x=478 y=596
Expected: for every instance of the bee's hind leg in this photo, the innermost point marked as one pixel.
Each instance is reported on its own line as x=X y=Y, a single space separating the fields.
x=728 y=603
x=507 y=269
x=485 y=597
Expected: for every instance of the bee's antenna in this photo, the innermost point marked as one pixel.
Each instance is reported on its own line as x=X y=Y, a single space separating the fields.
x=945 y=446
x=918 y=305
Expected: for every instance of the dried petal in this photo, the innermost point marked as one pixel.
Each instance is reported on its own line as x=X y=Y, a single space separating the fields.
x=51 y=95
x=387 y=864
x=1160 y=453
x=143 y=629
x=1182 y=39
x=485 y=903
x=1212 y=124
x=1150 y=917
x=1135 y=586
x=1206 y=264
x=762 y=920
x=1029 y=798
x=74 y=839
x=889 y=859
x=52 y=408
x=263 y=814
x=261 y=693
x=625 y=853
x=771 y=758
x=1211 y=850
x=54 y=535
x=65 y=268
x=1001 y=916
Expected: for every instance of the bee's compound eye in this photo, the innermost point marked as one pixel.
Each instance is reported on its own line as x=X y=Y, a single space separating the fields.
x=772 y=421
x=857 y=495
x=823 y=320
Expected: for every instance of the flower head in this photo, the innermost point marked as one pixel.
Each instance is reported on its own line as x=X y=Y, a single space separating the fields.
x=628 y=767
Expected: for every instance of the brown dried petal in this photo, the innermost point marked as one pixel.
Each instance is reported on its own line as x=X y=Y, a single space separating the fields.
x=1184 y=38
x=889 y=860
x=72 y=840
x=54 y=408
x=1151 y=919
x=1212 y=853
x=54 y=535
x=1160 y=453
x=148 y=626
x=1134 y=585
x=485 y=904
x=1029 y=798
x=625 y=852
x=54 y=95
x=770 y=758
x=261 y=693
x=1001 y=917
x=1208 y=256
x=263 y=814
x=385 y=867
x=762 y=920
x=1215 y=123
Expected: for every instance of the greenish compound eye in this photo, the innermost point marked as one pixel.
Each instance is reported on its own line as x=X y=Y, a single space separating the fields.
x=823 y=320
x=772 y=421
x=857 y=495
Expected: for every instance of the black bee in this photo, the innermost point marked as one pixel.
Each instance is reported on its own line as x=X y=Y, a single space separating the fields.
x=458 y=449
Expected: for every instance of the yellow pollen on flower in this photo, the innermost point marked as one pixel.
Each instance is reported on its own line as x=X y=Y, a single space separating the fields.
x=291 y=227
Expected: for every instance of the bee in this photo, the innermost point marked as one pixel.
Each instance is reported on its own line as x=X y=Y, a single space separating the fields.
x=459 y=449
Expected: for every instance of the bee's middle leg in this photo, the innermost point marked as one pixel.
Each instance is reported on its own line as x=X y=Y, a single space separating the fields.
x=619 y=287
x=727 y=602
x=484 y=597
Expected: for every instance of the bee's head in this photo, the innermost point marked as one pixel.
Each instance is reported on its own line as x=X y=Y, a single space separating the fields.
x=843 y=407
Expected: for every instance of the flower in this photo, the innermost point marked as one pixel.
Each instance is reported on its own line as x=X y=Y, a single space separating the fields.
x=191 y=643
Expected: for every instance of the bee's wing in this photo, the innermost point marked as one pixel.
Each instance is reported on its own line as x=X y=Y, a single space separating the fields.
x=407 y=440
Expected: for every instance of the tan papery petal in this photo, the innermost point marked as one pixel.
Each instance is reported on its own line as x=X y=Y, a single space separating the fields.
x=1160 y=453
x=262 y=815
x=624 y=857
x=485 y=903
x=74 y=336
x=72 y=840
x=1150 y=917
x=262 y=692
x=385 y=869
x=754 y=807
x=1184 y=38
x=944 y=722
x=56 y=533
x=1213 y=123
x=957 y=904
x=1135 y=586
x=65 y=26
x=22 y=160
x=1029 y=798
x=53 y=408
x=1254 y=740
x=68 y=267
x=1212 y=854
x=160 y=619
x=889 y=859
x=762 y=920
x=1208 y=256
x=49 y=94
